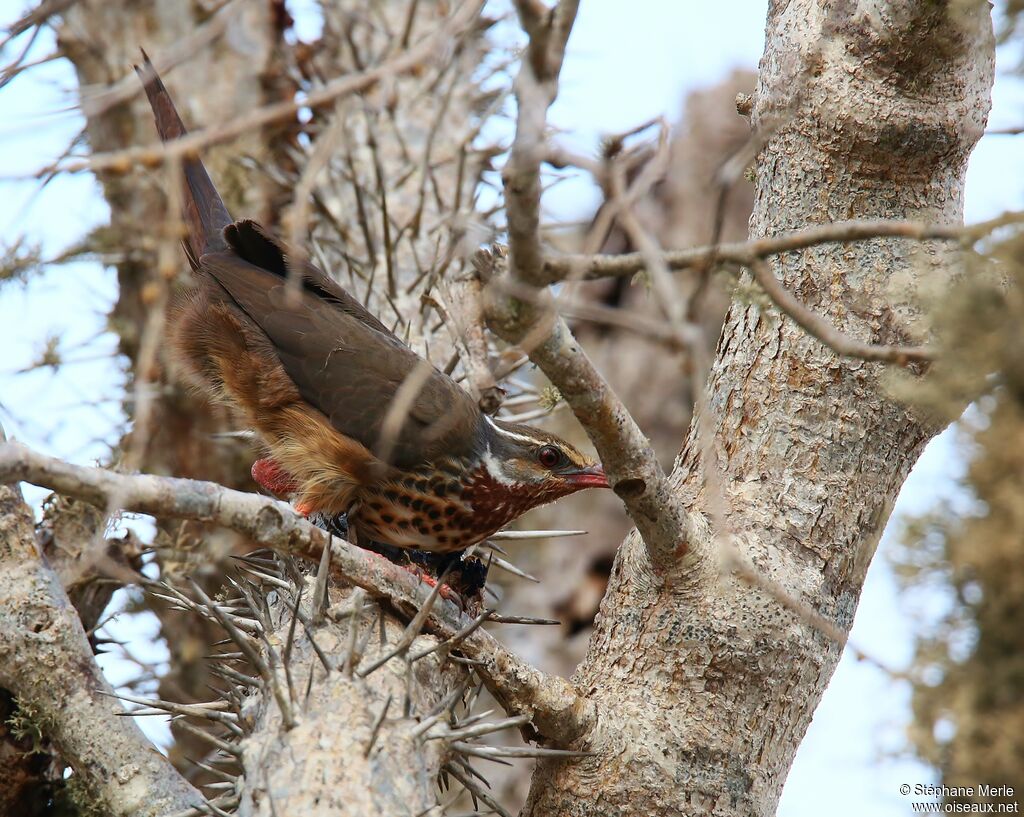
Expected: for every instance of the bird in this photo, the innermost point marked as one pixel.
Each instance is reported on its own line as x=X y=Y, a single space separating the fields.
x=313 y=373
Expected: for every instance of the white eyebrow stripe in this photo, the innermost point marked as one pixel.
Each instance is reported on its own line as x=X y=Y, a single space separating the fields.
x=510 y=435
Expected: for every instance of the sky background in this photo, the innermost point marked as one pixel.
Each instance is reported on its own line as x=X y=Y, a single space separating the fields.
x=627 y=63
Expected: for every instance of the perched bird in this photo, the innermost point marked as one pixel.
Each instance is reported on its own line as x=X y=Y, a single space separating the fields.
x=314 y=374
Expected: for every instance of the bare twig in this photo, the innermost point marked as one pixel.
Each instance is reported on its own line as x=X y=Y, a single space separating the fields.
x=36 y=17
x=819 y=327
x=625 y=451
x=536 y=87
x=591 y=267
x=735 y=561
x=401 y=407
x=672 y=537
x=465 y=311
x=123 y=160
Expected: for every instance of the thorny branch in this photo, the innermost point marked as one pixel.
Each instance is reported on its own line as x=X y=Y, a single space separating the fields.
x=671 y=535
x=556 y=710
x=123 y=160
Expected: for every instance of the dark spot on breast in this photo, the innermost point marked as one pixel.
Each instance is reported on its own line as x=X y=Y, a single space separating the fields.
x=438 y=527
x=376 y=506
x=422 y=485
x=387 y=518
x=391 y=496
x=440 y=489
x=454 y=488
x=434 y=513
x=417 y=520
x=405 y=500
x=442 y=540
x=449 y=511
x=403 y=523
x=417 y=504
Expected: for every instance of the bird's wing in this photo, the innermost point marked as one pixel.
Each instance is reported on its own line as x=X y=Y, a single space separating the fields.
x=345 y=363
x=253 y=244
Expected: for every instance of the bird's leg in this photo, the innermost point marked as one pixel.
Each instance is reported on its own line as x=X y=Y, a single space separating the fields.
x=353 y=529
x=466 y=575
x=334 y=525
x=422 y=573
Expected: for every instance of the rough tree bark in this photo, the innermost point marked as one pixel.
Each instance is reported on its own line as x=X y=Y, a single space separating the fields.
x=46 y=659
x=705 y=692
x=677 y=214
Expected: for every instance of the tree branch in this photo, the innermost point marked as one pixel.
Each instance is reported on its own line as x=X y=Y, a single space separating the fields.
x=426 y=49
x=590 y=267
x=820 y=328
x=536 y=87
x=520 y=311
x=46 y=661
x=557 y=711
x=675 y=540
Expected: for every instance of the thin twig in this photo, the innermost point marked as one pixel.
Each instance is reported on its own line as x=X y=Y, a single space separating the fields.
x=426 y=49
x=591 y=267
x=820 y=328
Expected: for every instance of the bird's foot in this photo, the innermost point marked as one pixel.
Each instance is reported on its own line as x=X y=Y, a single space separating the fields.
x=336 y=525
x=446 y=591
x=465 y=576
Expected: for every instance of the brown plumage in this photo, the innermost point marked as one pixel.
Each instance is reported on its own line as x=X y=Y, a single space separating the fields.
x=313 y=372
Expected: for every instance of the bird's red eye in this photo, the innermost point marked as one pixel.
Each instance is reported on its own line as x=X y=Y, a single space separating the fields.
x=549 y=456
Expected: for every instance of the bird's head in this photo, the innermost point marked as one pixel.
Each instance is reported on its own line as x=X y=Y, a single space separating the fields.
x=538 y=464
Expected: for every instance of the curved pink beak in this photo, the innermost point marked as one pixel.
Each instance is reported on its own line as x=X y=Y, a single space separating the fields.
x=593 y=477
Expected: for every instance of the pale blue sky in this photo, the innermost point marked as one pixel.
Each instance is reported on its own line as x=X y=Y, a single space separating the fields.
x=627 y=62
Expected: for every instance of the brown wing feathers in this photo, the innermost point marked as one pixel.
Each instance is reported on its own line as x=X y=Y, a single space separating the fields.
x=301 y=370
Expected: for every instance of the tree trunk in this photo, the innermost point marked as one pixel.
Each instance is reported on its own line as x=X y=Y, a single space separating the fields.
x=705 y=689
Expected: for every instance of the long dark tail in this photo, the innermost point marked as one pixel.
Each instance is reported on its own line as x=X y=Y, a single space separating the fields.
x=203 y=209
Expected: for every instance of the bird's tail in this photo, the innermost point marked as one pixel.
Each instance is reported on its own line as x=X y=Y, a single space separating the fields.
x=203 y=209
